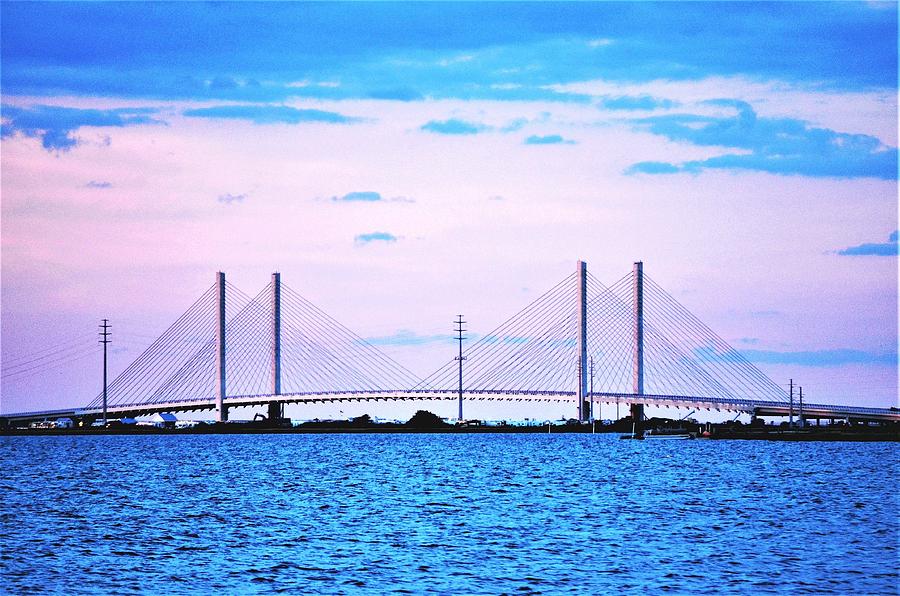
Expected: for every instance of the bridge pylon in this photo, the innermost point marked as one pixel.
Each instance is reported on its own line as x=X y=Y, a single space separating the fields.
x=583 y=407
x=276 y=408
x=221 y=411
x=637 y=410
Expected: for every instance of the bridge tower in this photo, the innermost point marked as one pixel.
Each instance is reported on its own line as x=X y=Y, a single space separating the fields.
x=276 y=409
x=221 y=411
x=637 y=410
x=583 y=408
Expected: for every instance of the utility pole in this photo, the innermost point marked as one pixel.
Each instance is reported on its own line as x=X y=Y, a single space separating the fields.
x=791 y=409
x=459 y=331
x=104 y=339
x=800 y=417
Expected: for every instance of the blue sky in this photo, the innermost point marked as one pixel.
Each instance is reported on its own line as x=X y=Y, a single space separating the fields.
x=194 y=50
x=402 y=161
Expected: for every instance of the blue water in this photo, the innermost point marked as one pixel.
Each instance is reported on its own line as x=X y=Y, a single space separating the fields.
x=450 y=514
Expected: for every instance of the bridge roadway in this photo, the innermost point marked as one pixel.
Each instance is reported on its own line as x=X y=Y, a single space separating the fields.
x=728 y=404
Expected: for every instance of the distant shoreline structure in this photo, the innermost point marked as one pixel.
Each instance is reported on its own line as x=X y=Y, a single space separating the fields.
x=889 y=432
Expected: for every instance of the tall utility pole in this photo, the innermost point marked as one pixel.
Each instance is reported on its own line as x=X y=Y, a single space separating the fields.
x=459 y=336
x=791 y=409
x=800 y=417
x=104 y=339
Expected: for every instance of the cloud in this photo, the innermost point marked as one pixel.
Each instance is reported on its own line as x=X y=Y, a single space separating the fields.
x=821 y=358
x=600 y=43
x=639 y=102
x=454 y=127
x=87 y=49
x=548 y=140
x=405 y=337
x=229 y=199
x=652 y=167
x=268 y=114
x=514 y=53
x=369 y=196
x=516 y=124
x=360 y=196
x=363 y=239
x=877 y=249
x=775 y=145
x=55 y=125
x=98 y=184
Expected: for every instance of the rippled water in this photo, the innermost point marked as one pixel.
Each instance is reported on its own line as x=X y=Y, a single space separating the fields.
x=454 y=514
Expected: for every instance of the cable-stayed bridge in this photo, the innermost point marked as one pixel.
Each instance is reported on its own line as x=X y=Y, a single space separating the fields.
x=581 y=342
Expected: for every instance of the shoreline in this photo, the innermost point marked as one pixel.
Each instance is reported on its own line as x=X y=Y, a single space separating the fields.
x=858 y=434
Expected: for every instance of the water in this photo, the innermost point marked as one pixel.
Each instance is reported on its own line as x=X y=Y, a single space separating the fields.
x=451 y=514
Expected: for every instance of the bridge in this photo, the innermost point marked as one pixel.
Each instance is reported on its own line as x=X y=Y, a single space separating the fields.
x=581 y=343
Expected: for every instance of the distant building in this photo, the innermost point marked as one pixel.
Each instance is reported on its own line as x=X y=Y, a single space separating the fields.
x=161 y=420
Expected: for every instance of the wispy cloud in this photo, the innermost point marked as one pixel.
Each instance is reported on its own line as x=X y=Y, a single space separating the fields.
x=359 y=196
x=269 y=114
x=229 y=199
x=653 y=167
x=600 y=42
x=874 y=249
x=369 y=196
x=548 y=140
x=636 y=102
x=405 y=337
x=454 y=126
x=363 y=239
x=55 y=125
x=98 y=184
x=821 y=358
x=305 y=84
x=775 y=145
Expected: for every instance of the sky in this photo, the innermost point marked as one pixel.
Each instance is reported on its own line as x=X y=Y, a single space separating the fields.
x=403 y=163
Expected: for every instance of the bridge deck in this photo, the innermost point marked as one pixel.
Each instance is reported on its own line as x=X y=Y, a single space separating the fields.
x=749 y=406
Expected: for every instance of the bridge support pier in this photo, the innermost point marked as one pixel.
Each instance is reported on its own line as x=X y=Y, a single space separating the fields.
x=276 y=409
x=583 y=407
x=637 y=410
x=221 y=412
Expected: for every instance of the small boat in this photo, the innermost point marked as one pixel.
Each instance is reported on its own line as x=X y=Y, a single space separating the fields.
x=668 y=433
